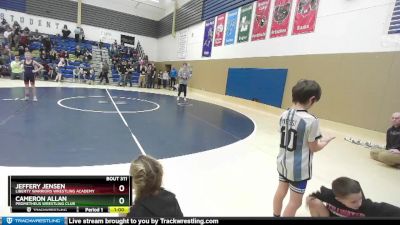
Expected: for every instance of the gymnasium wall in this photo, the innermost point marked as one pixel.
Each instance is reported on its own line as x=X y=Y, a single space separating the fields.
x=342 y=26
x=349 y=54
x=359 y=89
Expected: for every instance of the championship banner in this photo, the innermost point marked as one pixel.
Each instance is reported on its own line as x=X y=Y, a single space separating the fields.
x=231 y=27
x=219 y=30
x=244 y=23
x=306 y=16
x=208 y=37
x=280 y=18
x=261 y=20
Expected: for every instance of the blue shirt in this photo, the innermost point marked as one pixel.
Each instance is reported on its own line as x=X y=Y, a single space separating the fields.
x=173 y=73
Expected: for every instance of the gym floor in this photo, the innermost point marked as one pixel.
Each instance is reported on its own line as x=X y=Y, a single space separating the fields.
x=218 y=152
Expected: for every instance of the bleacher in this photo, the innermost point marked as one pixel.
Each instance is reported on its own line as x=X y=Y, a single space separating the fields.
x=69 y=45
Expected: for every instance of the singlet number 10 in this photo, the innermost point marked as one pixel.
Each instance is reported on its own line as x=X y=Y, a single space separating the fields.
x=292 y=139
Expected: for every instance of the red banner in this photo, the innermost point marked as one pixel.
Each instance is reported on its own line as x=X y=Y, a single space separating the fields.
x=261 y=20
x=280 y=18
x=306 y=16
x=219 y=30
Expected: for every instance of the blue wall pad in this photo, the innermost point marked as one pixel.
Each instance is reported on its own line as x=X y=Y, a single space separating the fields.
x=263 y=85
x=212 y=8
x=14 y=5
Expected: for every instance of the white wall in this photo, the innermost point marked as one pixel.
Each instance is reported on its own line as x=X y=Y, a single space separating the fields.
x=343 y=26
x=52 y=26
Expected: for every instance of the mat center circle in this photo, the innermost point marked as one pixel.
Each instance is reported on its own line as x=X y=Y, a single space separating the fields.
x=75 y=103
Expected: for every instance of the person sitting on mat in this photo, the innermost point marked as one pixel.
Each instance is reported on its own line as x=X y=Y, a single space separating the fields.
x=390 y=156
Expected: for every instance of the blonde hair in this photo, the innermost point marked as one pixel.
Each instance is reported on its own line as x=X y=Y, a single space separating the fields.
x=147 y=175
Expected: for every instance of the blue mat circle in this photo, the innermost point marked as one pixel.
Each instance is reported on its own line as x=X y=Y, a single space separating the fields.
x=45 y=134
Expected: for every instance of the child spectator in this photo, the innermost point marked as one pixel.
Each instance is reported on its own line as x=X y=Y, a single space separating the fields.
x=151 y=200
x=346 y=199
x=17 y=69
x=60 y=66
x=82 y=74
x=92 y=76
x=75 y=73
x=300 y=139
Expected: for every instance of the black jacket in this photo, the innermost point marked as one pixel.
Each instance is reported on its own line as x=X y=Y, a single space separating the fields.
x=368 y=208
x=393 y=138
x=162 y=205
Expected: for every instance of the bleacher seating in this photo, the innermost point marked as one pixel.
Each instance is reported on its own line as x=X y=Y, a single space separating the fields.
x=69 y=45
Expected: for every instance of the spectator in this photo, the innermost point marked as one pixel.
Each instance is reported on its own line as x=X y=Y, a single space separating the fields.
x=185 y=73
x=75 y=73
x=43 y=55
x=122 y=69
x=24 y=39
x=165 y=79
x=4 y=71
x=46 y=72
x=21 y=50
x=151 y=200
x=15 y=38
x=17 y=69
x=66 y=54
x=63 y=54
x=173 y=74
x=346 y=199
x=16 y=26
x=92 y=76
x=26 y=30
x=297 y=122
x=4 y=22
x=77 y=32
x=46 y=44
x=390 y=156
x=65 y=32
x=87 y=56
x=82 y=74
x=52 y=71
x=130 y=70
x=60 y=66
x=101 y=44
x=104 y=72
x=82 y=34
x=78 y=51
x=142 y=77
x=150 y=75
x=8 y=34
x=6 y=54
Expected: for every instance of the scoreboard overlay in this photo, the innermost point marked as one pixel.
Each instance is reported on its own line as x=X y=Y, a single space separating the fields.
x=60 y=194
